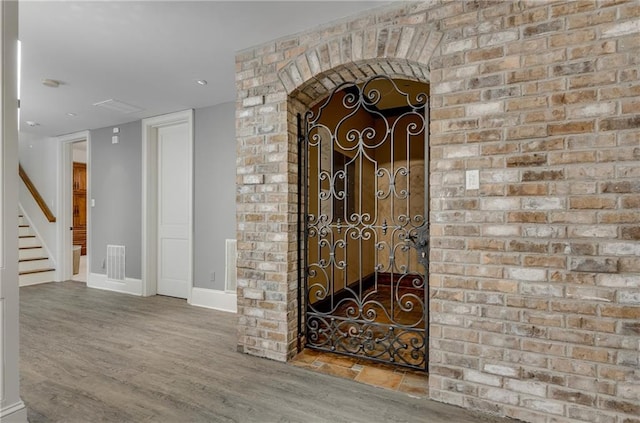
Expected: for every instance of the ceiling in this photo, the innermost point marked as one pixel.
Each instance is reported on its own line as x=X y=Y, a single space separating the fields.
x=147 y=54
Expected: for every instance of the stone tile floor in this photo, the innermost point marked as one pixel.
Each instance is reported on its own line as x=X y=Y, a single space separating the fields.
x=412 y=382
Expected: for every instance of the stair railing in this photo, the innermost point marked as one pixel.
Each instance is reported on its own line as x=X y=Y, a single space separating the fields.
x=36 y=195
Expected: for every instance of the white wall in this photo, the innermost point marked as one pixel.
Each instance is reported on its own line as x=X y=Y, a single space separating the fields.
x=80 y=152
x=39 y=157
x=12 y=409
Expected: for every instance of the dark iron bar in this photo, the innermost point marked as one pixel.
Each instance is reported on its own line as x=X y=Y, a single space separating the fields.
x=427 y=198
x=301 y=139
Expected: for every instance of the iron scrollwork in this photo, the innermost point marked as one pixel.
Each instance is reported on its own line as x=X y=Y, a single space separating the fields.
x=364 y=223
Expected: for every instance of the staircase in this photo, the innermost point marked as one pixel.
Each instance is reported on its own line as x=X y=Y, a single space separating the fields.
x=34 y=266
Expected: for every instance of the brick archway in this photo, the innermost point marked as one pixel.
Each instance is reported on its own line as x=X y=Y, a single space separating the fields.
x=399 y=51
x=267 y=162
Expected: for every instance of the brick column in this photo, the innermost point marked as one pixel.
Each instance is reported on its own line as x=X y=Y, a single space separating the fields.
x=275 y=81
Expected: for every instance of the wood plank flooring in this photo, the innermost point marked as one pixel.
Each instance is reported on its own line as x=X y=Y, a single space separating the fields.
x=97 y=356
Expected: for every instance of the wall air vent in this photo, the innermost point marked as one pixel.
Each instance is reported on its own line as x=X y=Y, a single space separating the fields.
x=115 y=262
x=118 y=106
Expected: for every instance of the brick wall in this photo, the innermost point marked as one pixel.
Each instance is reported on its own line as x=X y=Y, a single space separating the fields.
x=535 y=277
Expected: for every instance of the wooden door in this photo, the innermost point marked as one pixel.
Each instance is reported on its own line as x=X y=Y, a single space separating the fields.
x=79 y=177
x=80 y=206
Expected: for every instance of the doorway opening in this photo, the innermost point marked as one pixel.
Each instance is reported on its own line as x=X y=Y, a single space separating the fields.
x=363 y=224
x=79 y=189
x=73 y=148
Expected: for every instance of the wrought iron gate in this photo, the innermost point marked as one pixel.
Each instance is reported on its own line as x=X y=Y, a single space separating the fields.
x=363 y=225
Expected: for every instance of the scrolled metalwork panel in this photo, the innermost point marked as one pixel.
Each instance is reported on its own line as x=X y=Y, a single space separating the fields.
x=365 y=223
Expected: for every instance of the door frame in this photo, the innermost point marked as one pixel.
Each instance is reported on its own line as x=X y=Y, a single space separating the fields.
x=150 y=197
x=306 y=142
x=64 y=255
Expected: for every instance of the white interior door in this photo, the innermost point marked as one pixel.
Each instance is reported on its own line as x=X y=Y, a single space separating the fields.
x=174 y=210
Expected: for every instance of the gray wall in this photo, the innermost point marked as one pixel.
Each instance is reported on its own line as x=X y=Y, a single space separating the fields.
x=116 y=187
x=215 y=198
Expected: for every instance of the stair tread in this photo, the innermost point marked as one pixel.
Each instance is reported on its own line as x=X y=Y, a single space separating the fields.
x=29 y=272
x=33 y=259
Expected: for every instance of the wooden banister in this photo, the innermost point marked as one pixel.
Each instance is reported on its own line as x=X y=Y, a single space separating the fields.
x=36 y=195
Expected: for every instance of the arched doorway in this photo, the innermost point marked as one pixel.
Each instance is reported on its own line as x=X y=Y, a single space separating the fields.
x=363 y=222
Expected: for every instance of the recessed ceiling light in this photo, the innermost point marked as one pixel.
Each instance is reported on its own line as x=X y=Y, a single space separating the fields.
x=50 y=83
x=32 y=123
x=201 y=82
x=71 y=114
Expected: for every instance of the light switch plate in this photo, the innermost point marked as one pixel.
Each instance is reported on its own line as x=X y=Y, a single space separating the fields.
x=473 y=179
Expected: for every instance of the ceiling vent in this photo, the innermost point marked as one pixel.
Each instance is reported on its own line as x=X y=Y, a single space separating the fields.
x=118 y=106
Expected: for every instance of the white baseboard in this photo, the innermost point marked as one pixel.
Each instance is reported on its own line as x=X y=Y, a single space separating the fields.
x=15 y=413
x=217 y=300
x=128 y=286
x=200 y=297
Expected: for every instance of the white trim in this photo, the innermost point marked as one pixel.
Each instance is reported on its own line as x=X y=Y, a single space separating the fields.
x=64 y=258
x=230 y=269
x=14 y=413
x=33 y=228
x=214 y=299
x=149 y=198
x=129 y=286
x=11 y=407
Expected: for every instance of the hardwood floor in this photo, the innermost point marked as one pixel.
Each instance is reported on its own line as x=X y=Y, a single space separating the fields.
x=97 y=356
